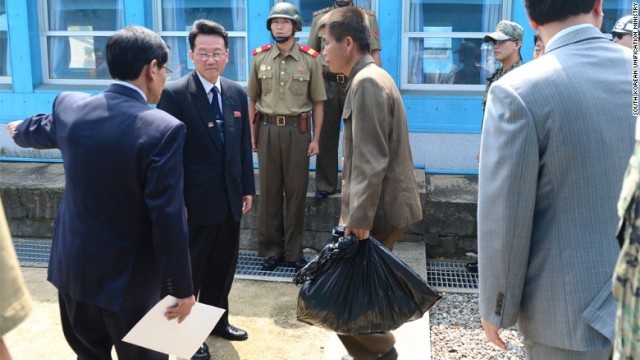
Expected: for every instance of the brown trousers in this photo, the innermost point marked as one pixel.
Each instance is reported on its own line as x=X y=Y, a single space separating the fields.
x=372 y=346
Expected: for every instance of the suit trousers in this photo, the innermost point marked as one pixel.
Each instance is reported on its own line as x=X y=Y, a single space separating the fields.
x=214 y=256
x=372 y=346
x=327 y=159
x=538 y=351
x=284 y=177
x=92 y=331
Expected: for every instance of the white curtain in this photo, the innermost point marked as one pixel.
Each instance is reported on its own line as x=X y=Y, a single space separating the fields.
x=416 y=24
x=237 y=48
x=173 y=19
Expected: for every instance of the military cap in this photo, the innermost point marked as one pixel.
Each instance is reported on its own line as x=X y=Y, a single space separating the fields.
x=506 y=30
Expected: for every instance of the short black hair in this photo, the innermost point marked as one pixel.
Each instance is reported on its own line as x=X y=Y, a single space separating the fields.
x=348 y=21
x=207 y=27
x=546 y=11
x=131 y=49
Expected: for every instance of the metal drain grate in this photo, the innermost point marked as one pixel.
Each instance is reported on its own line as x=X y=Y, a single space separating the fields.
x=451 y=277
x=441 y=275
x=35 y=253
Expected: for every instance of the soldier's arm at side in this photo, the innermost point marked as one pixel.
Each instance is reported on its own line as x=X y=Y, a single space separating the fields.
x=253 y=125
x=318 y=114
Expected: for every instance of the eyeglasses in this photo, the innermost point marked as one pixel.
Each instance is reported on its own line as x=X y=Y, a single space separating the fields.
x=206 y=56
x=502 y=42
x=167 y=70
x=618 y=35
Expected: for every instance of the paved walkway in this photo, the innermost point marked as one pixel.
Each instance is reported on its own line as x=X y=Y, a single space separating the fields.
x=267 y=310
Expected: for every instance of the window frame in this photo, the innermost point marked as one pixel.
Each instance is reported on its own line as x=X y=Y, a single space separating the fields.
x=404 y=51
x=158 y=28
x=7 y=79
x=46 y=34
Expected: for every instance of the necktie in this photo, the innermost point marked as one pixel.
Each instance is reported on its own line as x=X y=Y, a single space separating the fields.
x=216 y=110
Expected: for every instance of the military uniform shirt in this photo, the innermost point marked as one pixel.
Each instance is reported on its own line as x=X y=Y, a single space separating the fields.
x=285 y=84
x=316 y=40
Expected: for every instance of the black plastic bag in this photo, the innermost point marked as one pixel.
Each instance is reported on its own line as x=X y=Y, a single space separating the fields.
x=360 y=287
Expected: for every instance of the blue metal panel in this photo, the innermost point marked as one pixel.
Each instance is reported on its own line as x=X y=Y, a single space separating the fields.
x=134 y=13
x=428 y=113
x=23 y=42
x=257 y=12
x=389 y=15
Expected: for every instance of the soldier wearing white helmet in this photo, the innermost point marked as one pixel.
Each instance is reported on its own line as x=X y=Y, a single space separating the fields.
x=622 y=31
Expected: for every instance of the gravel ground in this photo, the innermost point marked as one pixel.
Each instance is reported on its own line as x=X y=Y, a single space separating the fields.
x=456 y=332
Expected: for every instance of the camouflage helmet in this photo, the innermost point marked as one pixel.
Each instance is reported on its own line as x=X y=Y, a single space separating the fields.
x=285 y=10
x=623 y=25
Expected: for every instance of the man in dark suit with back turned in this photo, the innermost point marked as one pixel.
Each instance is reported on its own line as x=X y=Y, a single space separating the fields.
x=121 y=234
x=218 y=163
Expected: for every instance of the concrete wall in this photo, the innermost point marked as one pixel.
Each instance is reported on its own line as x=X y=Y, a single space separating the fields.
x=31 y=193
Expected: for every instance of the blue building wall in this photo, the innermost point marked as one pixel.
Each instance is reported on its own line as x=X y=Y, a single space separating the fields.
x=444 y=125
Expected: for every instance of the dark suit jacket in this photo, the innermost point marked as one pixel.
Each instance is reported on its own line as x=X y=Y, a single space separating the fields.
x=217 y=174
x=121 y=228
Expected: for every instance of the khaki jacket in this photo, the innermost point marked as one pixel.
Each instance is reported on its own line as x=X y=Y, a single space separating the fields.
x=379 y=189
x=15 y=301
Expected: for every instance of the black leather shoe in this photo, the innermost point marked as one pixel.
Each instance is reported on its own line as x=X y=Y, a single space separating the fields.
x=392 y=354
x=202 y=353
x=230 y=333
x=298 y=264
x=272 y=262
x=472 y=267
x=321 y=194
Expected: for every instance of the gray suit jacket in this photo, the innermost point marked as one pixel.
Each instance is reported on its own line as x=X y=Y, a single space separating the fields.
x=557 y=136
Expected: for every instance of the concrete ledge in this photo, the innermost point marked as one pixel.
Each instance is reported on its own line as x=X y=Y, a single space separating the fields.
x=32 y=192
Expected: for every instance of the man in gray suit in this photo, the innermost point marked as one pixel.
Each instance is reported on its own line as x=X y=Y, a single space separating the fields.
x=558 y=132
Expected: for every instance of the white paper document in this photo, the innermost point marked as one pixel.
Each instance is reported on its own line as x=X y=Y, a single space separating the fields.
x=157 y=333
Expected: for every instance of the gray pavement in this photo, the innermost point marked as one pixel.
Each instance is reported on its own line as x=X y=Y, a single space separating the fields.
x=267 y=310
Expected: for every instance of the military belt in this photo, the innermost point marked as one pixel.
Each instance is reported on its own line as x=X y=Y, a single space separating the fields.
x=338 y=78
x=281 y=120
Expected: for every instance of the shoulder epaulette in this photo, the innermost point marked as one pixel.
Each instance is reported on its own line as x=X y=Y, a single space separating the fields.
x=309 y=50
x=260 y=49
x=322 y=11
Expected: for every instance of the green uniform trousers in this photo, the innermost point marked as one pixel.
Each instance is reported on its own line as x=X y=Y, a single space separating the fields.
x=284 y=177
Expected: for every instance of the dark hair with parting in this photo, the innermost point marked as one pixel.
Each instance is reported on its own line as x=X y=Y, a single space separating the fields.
x=546 y=11
x=207 y=27
x=351 y=22
x=131 y=49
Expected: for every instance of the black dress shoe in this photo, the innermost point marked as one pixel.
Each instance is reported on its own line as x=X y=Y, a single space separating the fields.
x=272 y=262
x=230 y=333
x=298 y=264
x=392 y=354
x=472 y=267
x=202 y=353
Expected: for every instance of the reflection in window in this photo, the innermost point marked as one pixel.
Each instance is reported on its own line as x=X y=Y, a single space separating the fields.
x=77 y=49
x=179 y=15
x=5 y=69
x=440 y=55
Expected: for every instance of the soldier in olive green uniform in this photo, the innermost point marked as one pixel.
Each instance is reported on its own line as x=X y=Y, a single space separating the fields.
x=335 y=85
x=285 y=85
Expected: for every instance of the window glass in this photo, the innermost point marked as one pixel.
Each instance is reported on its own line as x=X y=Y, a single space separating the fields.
x=614 y=10
x=5 y=69
x=76 y=33
x=177 y=16
x=444 y=44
